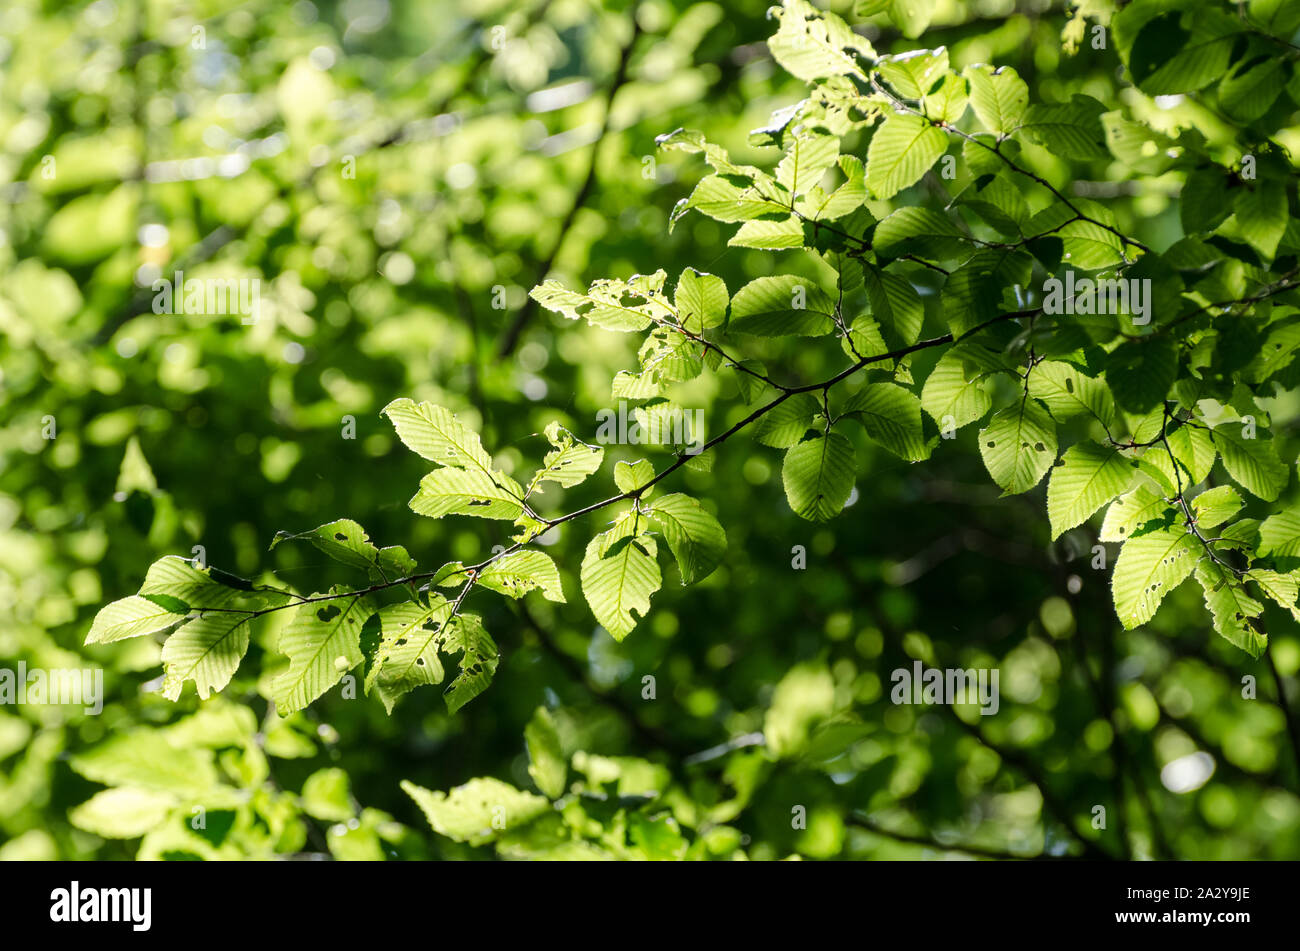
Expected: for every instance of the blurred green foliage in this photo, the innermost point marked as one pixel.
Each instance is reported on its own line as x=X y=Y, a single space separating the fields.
x=398 y=176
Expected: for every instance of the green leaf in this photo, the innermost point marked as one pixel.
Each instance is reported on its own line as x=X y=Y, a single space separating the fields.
x=605 y=304
x=478 y=659
x=519 y=572
x=1215 y=506
x=807 y=157
x=1262 y=216
x=998 y=96
x=347 y=543
x=133 y=617
x=546 y=763
x=1233 y=609
x=782 y=305
x=1148 y=568
x=818 y=476
x=812 y=44
x=1253 y=463
x=479 y=811
x=955 y=392
x=722 y=199
x=919 y=231
x=326 y=795
x=1201 y=205
x=465 y=492
x=769 y=235
x=1283 y=589
x=1279 y=535
x=1127 y=515
x=891 y=415
x=786 y=424
x=1072 y=130
x=619 y=573
x=910 y=16
x=804 y=696
x=914 y=73
x=820 y=206
x=1088 y=476
x=895 y=304
x=407 y=657
x=1069 y=393
x=322 y=643
x=631 y=476
x=973 y=293
x=701 y=300
x=206 y=650
x=435 y=434
x=148 y=759
x=1140 y=373
x=1173 y=53
x=570 y=462
x=124 y=812
x=696 y=539
x=1194 y=449
x=1252 y=86
x=1019 y=446
x=135 y=475
x=947 y=103
x=902 y=150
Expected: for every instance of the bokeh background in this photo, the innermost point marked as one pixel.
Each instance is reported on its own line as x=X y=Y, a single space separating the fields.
x=390 y=171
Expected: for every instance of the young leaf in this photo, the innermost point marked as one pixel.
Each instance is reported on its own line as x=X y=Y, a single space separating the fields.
x=570 y=462
x=902 y=150
x=434 y=433
x=466 y=492
x=955 y=393
x=1215 y=506
x=891 y=415
x=206 y=650
x=701 y=300
x=818 y=476
x=1069 y=393
x=478 y=659
x=519 y=572
x=407 y=657
x=1233 y=609
x=1148 y=568
x=1127 y=515
x=785 y=425
x=1253 y=463
x=696 y=539
x=998 y=96
x=322 y=643
x=347 y=543
x=619 y=573
x=134 y=617
x=895 y=304
x=546 y=763
x=813 y=44
x=1071 y=130
x=630 y=476
x=781 y=305
x=478 y=811
x=1019 y=446
x=1279 y=535
x=1088 y=476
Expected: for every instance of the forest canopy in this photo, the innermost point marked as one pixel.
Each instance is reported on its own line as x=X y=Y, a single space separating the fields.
x=578 y=430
